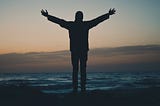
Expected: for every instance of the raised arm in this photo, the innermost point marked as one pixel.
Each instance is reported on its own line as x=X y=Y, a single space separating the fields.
x=54 y=19
x=101 y=18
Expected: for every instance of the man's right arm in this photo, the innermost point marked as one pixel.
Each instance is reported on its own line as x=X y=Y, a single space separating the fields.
x=101 y=18
x=54 y=19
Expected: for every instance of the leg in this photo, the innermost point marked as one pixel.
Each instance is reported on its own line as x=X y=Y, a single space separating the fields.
x=83 y=63
x=75 y=60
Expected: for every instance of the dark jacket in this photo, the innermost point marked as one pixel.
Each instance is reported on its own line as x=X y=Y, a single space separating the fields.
x=78 y=31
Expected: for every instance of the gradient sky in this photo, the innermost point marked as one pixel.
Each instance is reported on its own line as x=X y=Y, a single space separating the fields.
x=23 y=29
x=128 y=58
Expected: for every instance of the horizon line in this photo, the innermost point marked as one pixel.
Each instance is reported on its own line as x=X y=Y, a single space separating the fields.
x=142 y=45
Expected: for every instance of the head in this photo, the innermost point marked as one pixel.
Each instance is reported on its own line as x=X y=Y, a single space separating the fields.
x=79 y=16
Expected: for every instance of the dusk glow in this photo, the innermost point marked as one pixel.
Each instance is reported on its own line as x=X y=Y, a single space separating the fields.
x=79 y=53
x=23 y=29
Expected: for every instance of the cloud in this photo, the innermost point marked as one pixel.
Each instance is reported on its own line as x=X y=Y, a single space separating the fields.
x=128 y=58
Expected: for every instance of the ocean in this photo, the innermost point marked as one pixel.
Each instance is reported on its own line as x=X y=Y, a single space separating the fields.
x=62 y=82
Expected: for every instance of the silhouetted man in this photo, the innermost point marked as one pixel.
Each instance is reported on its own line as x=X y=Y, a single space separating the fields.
x=78 y=34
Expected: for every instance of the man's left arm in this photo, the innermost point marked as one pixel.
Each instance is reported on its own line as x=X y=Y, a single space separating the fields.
x=56 y=20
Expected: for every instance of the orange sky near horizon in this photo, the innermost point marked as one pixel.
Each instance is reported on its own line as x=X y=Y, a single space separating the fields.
x=23 y=29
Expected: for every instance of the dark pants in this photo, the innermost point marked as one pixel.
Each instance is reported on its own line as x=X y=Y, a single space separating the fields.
x=76 y=58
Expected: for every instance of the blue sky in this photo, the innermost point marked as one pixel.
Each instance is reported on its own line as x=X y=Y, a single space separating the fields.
x=23 y=29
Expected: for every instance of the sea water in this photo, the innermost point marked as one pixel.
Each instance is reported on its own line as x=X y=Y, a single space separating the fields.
x=62 y=82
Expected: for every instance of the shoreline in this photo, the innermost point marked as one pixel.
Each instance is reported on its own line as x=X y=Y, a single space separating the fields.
x=28 y=96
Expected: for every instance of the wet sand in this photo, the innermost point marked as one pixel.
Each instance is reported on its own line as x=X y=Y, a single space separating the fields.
x=27 y=96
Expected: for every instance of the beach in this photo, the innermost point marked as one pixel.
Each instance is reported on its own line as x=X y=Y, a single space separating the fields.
x=103 y=89
x=28 y=96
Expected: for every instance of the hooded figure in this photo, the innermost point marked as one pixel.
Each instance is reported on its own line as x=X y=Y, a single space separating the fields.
x=79 y=46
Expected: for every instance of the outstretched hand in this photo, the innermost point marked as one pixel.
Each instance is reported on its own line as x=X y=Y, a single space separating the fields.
x=111 y=11
x=44 y=13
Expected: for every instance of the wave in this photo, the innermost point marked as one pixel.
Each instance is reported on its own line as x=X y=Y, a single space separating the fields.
x=62 y=82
